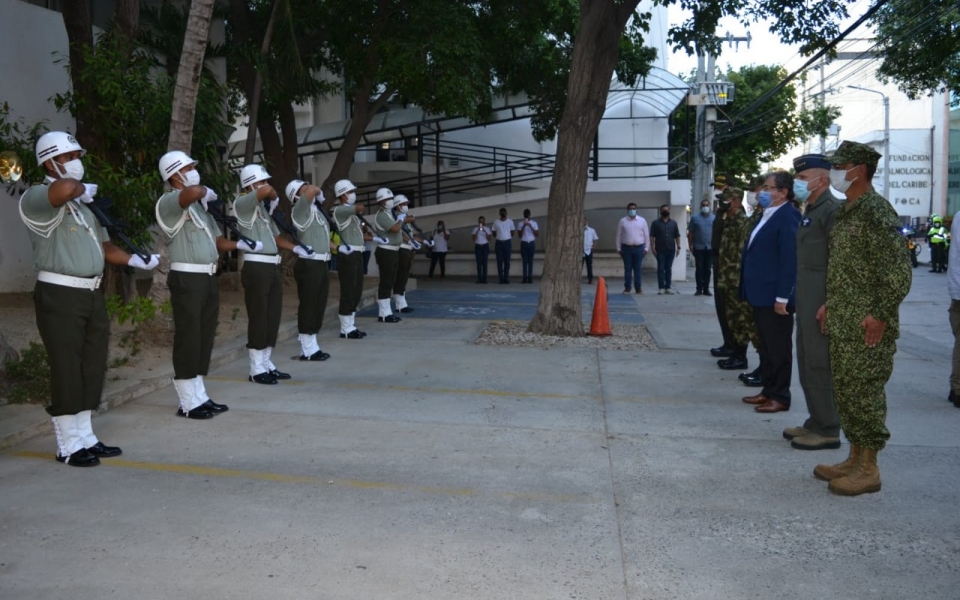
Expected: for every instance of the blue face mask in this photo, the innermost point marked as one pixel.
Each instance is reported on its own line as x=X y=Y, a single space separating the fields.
x=764 y=199
x=800 y=190
x=632 y=212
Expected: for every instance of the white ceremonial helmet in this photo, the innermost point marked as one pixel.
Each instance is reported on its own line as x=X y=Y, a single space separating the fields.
x=293 y=187
x=400 y=199
x=172 y=162
x=251 y=174
x=55 y=143
x=384 y=194
x=344 y=186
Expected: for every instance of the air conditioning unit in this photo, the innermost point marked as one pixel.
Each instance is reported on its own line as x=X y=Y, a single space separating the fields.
x=453 y=161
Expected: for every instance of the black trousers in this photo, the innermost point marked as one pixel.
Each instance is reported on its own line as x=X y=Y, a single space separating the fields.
x=482 y=253
x=75 y=330
x=350 y=270
x=195 y=298
x=776 y=352
x=313 y=288
x=720 y=304
x=527 y=250
x=388 y=262
x=588 y=260
x=703 y=260
x=263 y=295
x=503 y=249
x=938 y=256
x=404 y=266
x=440 y=257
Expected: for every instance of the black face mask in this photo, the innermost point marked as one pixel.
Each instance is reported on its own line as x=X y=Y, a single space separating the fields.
x=664 y=214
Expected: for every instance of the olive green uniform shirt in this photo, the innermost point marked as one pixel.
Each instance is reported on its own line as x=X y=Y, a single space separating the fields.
x=345 y=216
x=313 y=227
x=383 y=222
x=254 y=221
x=812 y=252
x=67 y=240
x=191 y=232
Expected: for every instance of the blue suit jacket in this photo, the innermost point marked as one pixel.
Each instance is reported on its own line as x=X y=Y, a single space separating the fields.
x=769 y=267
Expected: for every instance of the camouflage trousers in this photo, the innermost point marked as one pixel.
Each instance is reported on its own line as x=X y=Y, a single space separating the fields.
x=740 y=320
x=860 y=375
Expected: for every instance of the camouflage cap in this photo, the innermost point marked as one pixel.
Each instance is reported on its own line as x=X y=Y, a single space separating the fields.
x=733 y=193
x=855 y=153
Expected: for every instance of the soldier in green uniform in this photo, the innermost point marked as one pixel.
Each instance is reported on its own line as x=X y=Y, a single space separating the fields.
x=260 y=274
x=194 y=242
x=868 y=276
x=739 y=315
x=311 y=272
x=69 y=249
x=349 y=257
x=407 y=250
x=812 y=186
x=388 y=254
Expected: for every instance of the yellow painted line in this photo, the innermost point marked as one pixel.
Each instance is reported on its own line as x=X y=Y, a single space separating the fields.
x=304 y=479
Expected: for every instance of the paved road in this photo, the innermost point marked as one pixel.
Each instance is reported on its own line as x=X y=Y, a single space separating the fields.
x=416 y=464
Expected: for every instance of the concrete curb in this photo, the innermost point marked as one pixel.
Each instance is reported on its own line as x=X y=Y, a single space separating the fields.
x=26 y=423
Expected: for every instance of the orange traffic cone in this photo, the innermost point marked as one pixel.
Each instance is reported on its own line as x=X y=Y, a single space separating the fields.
x=600 y=324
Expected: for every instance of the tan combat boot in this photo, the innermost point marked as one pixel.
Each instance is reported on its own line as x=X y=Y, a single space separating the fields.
x=864 y=480
x=831 y=472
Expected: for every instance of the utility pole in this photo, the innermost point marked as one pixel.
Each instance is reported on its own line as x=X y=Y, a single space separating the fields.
x=886 y=137
x=823 y=96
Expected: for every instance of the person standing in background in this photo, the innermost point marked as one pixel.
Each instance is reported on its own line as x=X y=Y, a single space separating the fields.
x=441 y=238
x=503 y=229
x=700 y=239
x=528 y=233
x=664 y=235
x=633 y=237
x=481 y=248
x=590 y=238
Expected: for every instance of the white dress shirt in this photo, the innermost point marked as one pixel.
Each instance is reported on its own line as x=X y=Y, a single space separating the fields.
x=589 y=239
x=503 y=228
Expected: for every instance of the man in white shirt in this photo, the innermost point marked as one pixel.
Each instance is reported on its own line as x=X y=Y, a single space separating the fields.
x=503 y=229
x=439 y=252
x=590 y=238
x=528 y=234
x=481 y=248
x=633 y=239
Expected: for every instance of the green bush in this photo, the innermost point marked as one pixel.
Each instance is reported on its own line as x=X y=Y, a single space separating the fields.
x=29 y=376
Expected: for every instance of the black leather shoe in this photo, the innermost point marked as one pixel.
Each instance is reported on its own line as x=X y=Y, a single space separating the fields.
x=80 y=458
x=733 y=363
x=316 y=356
x=353 y=335
x=198 y=413
x=755 y=374
x=214 y=407
x=264 y=378
x=406 y=309
x=721 y=351
x=753 y=382
x=279 y=374
x=707 y=293
x=389 y=319
x=101 y=451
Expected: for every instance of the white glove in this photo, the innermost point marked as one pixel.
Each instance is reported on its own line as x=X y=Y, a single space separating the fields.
x=381 y=240
x=274 y=204
x=89 y=191
x=401 y=218
x=137 y=263
x=345 y=250
x=243 y=245
x=320 y=198
x=429 y=243
x=299 y=251
x=210 y=196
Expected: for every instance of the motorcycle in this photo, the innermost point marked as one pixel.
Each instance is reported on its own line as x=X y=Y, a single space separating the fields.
x=912 y=245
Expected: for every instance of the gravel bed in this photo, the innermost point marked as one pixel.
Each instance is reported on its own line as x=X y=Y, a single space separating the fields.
x=514 y=333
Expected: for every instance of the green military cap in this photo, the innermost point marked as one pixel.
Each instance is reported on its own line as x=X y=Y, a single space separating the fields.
x=855 y=153
x=733 y=193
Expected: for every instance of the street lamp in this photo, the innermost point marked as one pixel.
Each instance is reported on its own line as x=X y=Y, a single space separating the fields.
x=886 y=137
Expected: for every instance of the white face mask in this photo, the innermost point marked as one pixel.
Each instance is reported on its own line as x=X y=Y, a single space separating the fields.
x=72 y=169
x=352 y=198
x=388 y=204
x=838 y=179
x=190 y=177
x=752 y=198
x=403 y=209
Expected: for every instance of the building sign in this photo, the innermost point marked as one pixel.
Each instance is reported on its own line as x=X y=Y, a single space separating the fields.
x=911 y=169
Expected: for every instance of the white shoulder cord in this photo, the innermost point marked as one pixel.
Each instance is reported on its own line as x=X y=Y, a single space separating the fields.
x=344 y=224
x=201 y=225
x=170 y=231
x=41 y=228
x=187 y=214
x=78 y=217
x=256 y=213
x=303 y=227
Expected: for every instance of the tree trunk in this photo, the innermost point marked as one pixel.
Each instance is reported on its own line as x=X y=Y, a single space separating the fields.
x=79 y=25
x=184 y=110
x=595 y=54
x=253 y=98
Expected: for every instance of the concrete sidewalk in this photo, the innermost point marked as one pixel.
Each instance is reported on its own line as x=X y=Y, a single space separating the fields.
x=416 y=464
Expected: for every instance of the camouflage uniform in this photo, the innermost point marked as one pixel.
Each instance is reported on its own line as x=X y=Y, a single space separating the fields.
x=738 y=312
x=868 y=273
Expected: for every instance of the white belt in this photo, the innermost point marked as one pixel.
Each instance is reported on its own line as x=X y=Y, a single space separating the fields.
x=317 y=256
x=388 y=247
x=406 y=246
x=273 y=259
x=210 y=269
x=86 y=283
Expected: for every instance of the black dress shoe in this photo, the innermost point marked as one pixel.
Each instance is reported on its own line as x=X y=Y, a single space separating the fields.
x=80 y=458
x=214 y=407
x=707 y=293
x=721 y=351
x=733 y=363
x=755 y=374
x=101 y=451
x=279 y=374
x=389 y=319
x=406 y=309
x=264 y=378
x=353 y=335
x=316 y=356
x=753 y=382
x=198 y=413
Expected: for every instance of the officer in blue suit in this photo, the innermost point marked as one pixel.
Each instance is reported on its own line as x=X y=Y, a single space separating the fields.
x=768 y=282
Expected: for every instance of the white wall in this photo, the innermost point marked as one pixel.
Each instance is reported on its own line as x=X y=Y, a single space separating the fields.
x=28 y=37
x=911 y=171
